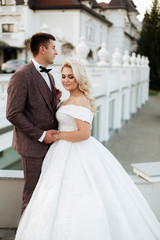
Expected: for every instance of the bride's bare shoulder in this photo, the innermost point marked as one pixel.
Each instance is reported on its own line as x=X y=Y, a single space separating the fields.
x=83 y=102
x=61 y=104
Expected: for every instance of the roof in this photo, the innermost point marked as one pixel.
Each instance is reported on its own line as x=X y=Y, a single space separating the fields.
x=52 y=3
x=103 y=4
x=130 y=36
x=122 y=4
x=94 y=4
x=67 y=4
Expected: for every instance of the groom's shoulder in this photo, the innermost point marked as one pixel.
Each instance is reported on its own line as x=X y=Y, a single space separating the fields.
x=22 y=73
x=25 y=68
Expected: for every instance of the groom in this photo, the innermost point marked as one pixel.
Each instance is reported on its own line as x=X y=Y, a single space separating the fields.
x=31 y=107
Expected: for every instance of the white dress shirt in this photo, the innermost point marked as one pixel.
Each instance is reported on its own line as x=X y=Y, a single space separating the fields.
x=43 y=74
x=46 y=78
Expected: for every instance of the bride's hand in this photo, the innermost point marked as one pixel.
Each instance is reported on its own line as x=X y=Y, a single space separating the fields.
x=57 y=136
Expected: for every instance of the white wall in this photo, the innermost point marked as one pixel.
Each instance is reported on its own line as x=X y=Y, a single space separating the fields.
x=122 y=23
x=99 y=32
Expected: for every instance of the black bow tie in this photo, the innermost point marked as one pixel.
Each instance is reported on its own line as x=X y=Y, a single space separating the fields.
x=43 y=69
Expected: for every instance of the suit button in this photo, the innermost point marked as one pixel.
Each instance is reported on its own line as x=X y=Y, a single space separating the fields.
x=52 y=121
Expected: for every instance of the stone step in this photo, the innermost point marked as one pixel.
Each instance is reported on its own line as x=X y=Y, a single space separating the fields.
x=7 y=234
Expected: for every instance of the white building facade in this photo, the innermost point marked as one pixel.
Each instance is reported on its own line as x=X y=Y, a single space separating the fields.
x=115 y=25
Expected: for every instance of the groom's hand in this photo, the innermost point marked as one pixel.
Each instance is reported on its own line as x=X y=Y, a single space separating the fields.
x=58 y=95
x=49 y=138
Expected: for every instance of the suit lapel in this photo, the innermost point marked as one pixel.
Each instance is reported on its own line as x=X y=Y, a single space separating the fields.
x=53 y=88
x=42 y=86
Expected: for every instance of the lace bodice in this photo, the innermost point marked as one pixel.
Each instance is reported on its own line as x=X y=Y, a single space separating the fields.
x=67 y=115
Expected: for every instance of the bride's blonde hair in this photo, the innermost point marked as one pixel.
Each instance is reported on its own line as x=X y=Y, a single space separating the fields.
x=80 y=74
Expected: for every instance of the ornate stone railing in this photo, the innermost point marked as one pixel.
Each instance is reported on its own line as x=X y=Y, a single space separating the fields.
x=120 y=88
x=5 y=126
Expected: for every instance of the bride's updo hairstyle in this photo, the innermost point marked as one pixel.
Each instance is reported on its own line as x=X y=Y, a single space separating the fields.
x=80 y=74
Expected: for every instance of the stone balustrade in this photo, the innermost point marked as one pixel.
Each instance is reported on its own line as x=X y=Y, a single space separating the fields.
x=120 y=87
x=5 y=126
x=116 y=59
x=4 y=78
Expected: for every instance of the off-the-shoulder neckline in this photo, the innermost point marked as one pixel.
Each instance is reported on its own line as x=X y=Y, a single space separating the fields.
x=75 y=106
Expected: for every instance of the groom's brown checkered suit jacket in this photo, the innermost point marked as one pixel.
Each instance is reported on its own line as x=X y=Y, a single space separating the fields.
x=31 y=108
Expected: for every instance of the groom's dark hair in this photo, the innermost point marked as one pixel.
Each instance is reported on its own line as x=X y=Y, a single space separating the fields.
x=40 y=39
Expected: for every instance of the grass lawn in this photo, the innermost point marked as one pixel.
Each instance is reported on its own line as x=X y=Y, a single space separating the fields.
x=153 y=92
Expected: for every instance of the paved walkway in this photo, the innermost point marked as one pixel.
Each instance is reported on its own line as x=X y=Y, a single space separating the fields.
x=139 y=139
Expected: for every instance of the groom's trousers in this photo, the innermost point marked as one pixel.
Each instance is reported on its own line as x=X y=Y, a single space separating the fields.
x=32 y=169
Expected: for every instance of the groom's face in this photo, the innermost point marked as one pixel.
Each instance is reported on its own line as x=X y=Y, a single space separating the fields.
x=50 y=52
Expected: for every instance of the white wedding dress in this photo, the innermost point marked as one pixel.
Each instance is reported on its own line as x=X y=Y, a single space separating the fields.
x=84 y=193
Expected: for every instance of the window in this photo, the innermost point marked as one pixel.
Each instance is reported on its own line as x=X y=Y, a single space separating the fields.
x=90 y=32
x=100 y=38
x=7 y=27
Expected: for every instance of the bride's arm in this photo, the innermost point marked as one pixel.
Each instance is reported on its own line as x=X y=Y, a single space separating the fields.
x=83 y=132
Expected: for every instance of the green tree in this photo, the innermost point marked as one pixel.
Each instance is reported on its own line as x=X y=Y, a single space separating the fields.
x=149 y=43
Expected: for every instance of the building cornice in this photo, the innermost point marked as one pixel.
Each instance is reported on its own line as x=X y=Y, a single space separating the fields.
x=73 y=7
x=131 y=37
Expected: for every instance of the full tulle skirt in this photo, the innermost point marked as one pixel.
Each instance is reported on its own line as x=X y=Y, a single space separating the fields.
x=84 y=194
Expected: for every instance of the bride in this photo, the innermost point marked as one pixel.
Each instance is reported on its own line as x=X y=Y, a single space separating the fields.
x=83 y=192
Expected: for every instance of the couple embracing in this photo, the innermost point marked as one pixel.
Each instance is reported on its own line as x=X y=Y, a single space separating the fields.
x=75 y=189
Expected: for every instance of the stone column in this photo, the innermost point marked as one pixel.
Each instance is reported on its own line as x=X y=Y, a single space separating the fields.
x=126 y=59
x=116 y=58
x=103 y=56
x=82 y=50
